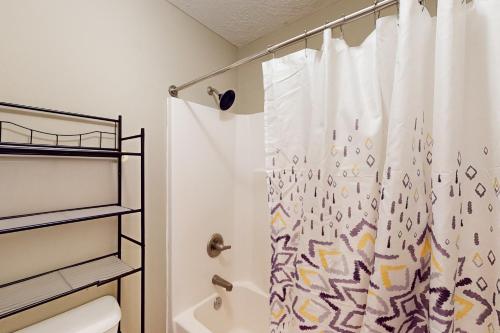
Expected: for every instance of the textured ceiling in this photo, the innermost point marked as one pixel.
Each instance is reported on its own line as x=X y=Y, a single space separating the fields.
x=243 y=21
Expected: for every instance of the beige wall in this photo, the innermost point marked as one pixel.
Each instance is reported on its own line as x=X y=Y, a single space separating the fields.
x=250 y=92
x=104 y=58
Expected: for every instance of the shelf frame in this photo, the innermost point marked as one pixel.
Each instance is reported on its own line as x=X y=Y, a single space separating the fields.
x=30 y=149
x=57 y=222
x=95 y=283
x=38 y=150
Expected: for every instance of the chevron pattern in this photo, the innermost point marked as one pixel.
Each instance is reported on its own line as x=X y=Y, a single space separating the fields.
x=356 y=247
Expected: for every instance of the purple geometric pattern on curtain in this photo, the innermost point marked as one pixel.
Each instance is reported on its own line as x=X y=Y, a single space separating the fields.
x=383 y=177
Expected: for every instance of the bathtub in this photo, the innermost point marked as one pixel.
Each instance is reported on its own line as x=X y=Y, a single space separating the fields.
x=243 y=310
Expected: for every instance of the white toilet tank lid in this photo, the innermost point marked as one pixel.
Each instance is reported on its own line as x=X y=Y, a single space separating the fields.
x=97 y=316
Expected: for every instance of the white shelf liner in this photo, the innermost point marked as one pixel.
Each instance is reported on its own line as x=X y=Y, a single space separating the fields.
x=45 y=287
x=32 y=291
x=54 y=218
x=100 y=270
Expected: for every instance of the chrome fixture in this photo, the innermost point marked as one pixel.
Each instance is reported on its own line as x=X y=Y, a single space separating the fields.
x=217 y=303
x=216 y=245
x=218 y=281
x=225 y=100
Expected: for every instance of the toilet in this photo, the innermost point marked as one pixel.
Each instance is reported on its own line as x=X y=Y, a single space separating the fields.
x=99 y=316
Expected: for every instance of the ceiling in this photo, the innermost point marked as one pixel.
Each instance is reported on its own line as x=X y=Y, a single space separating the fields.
x=243 y=21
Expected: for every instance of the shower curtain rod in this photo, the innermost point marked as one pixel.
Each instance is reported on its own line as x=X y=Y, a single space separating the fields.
x=377 y=6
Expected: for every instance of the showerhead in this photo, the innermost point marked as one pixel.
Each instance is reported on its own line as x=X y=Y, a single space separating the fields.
x=224 y=100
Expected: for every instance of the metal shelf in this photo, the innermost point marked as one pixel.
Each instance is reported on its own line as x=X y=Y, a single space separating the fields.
x=28 y=149
x=47 y=219
x=27 y=293
x=33 y=291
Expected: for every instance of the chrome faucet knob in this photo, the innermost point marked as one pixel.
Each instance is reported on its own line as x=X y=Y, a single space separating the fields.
x=216 y=245
x=221 y=247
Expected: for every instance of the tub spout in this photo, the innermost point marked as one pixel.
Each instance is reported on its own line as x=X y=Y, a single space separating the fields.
x=218 y=281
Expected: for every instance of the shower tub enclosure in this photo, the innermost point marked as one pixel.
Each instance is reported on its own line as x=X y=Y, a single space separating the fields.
x=216 y=184
x=245 y=310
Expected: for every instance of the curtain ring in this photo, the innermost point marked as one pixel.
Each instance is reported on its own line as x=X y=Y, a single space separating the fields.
x=305 y=39
x=375 y=13
x=398 y=13
x=342 y=27
x=423 y=3
x=269 y=51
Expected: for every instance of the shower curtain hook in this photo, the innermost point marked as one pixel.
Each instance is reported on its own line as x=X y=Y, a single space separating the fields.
x=326 y=24
x=375 y=13
x=423 y=4
x=269 y=50
x=305 y=39
x=397 y=13
x=342 y=27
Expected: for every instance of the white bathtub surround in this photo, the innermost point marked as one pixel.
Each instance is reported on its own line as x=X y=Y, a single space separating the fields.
x=216 y=184
x=244 y=310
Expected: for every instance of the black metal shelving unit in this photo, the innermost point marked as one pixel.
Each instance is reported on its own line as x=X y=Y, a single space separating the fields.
x=21 y=295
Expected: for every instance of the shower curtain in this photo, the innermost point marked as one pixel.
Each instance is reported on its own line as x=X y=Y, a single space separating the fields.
x=383 y=177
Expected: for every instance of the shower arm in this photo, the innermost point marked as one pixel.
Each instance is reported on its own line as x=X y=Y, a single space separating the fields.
x=377 y=6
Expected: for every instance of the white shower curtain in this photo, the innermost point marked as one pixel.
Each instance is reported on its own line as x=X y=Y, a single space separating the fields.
x=383 y=177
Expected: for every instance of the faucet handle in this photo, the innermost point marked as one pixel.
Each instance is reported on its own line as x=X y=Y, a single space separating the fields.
x=216 y=245
x=221 y=247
